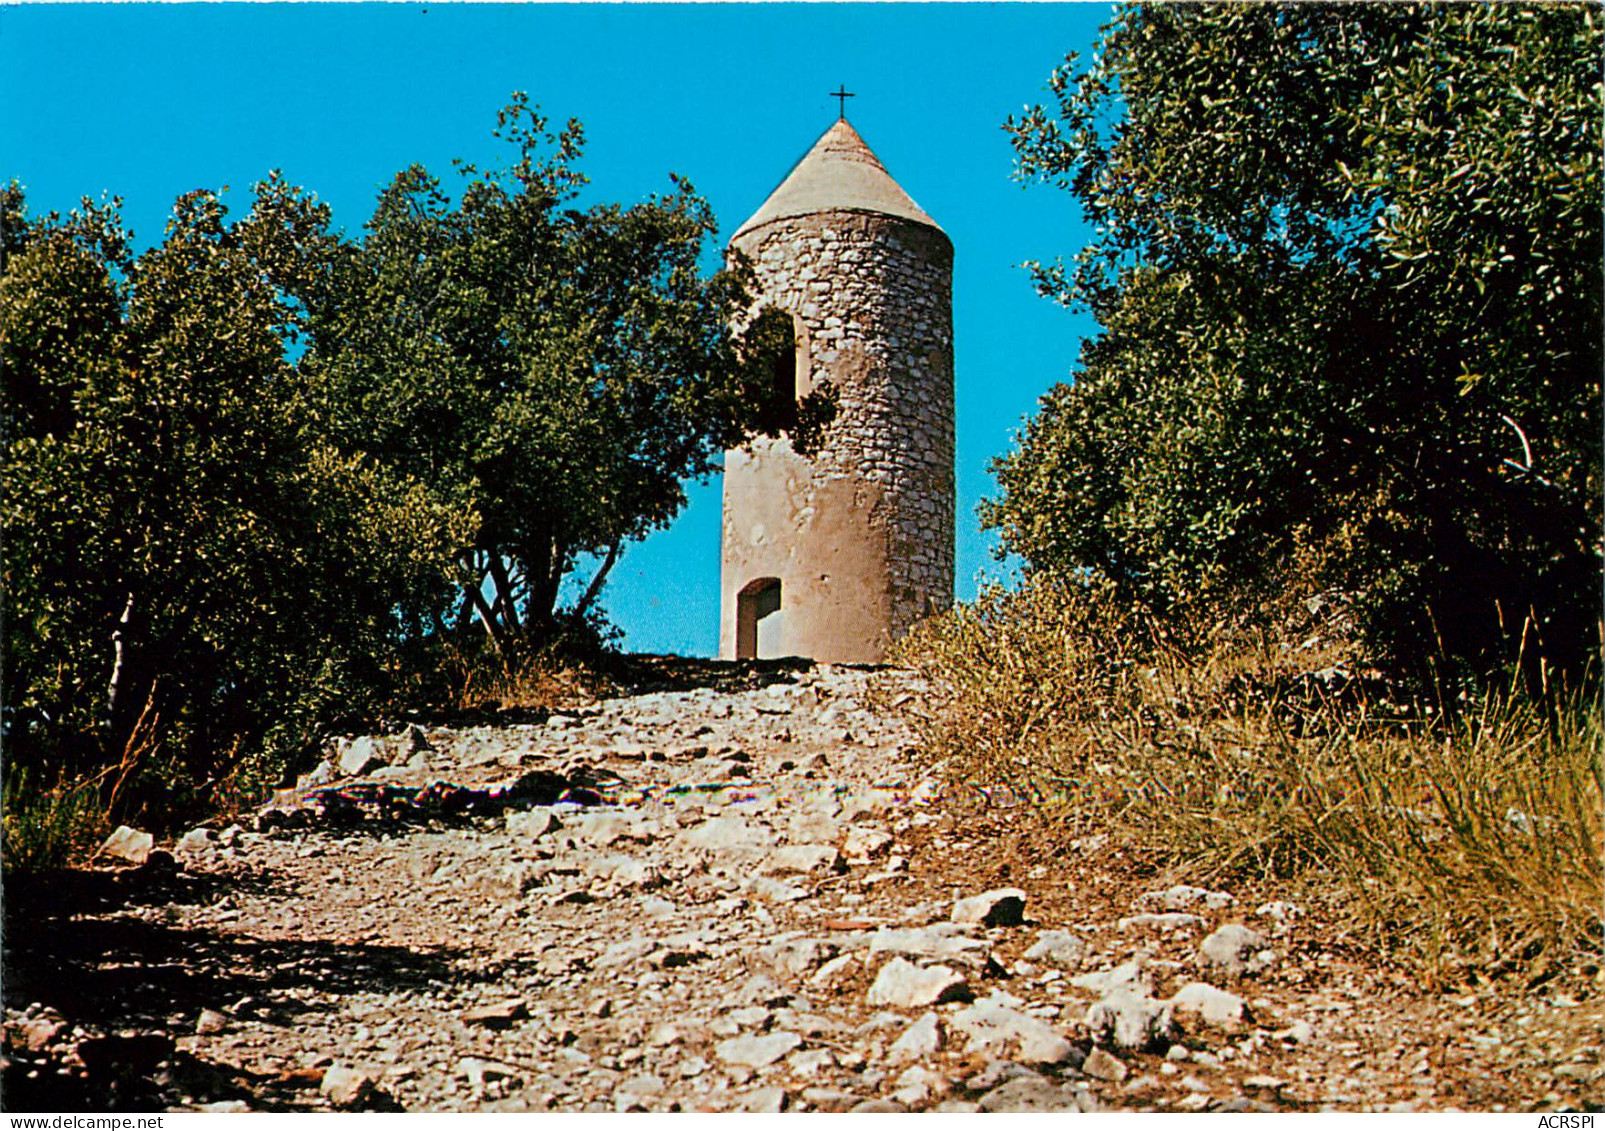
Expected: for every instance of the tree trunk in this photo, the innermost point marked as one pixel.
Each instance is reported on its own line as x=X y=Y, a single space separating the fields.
x=133 y=679
x=540 y=561
x=505 y=606
x=487 y=617
x=117 y=688
x=551 y=583
x=465 y=611
x=474 y=600
x=131 y=692
x=596 y=582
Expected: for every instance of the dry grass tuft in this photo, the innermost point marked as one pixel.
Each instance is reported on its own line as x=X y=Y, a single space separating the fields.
x=54 y=826
x=548 y=678
x=1463 y=843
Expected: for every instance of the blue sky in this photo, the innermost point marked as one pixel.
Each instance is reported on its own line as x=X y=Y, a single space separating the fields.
x=150 y=101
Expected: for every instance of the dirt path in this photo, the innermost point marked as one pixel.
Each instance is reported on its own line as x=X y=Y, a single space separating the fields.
x=744 y=896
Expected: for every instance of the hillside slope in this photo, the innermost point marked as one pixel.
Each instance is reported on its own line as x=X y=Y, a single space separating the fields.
x=737 y=891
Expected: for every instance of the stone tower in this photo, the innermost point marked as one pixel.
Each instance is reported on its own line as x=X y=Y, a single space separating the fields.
x=833 y=557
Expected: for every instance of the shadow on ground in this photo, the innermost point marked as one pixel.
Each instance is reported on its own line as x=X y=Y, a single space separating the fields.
x=624 y=674
x=645 y=674
x=103 y=950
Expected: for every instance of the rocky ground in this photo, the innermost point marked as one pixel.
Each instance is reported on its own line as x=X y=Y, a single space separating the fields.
x=739 y=890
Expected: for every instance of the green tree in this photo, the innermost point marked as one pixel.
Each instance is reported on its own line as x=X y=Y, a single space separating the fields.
x=560 y=371
x=1347 y=273
x=193 y=574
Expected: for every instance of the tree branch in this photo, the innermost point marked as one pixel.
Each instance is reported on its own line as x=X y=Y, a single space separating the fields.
x=596 y=582
x=115 y=687
x=505 y=606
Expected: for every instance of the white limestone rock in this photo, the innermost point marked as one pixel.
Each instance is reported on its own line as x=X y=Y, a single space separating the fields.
x=778 y=891
x=514 y=879
x=834 y=971
x=196 y=842
x=917 y=1084
x=1210 y=1004
x=1130 y=977
x=993 y=1025
x=865 y=842
x=727 y=834
x=321 y=774
x=625 y=952
x=1129 y=1021
x=764 y=1101
x=1184 y=897
x=604 y=829
x=531 y=824
x=811 y=1063
x=920 y=1041
x=757 y=1051
x=1162 y=921
x=902 y=984
x=1236 y=950
x=1280 y=911
x=942 y=940
x=1034 y=1094
x=346 y=1087
x=813 y=826
x=802 y=859
x=1103 y=1065
x=1001 y=907
x=129 y=844
x=878 y=1107
x=796 y=957
x=356 y=756
x=1059 y=947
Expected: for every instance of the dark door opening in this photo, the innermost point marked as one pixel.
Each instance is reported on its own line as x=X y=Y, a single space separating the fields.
x=759 y=632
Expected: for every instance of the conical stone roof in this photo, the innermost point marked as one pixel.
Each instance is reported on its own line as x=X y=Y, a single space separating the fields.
x=839 y=174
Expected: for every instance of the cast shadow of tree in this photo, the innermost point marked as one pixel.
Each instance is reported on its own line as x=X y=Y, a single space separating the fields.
x=77 y=943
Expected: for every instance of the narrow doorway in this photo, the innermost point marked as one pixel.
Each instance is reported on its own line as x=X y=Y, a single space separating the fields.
x=759 y=632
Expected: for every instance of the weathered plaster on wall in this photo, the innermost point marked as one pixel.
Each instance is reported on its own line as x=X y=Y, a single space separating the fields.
x=861 y=535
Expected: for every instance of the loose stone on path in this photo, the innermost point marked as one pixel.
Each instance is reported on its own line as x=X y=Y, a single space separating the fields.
x=1211 y=1005
x=130 y=844
x=696 y=938
x=1003 y=907
x=901 y=983
x=1235 y=949
x=1060 y=947
x=995 y=1025
x=757 y=1051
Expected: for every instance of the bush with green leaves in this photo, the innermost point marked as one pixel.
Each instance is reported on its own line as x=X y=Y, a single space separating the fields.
x=192 y=571
x=560 y=371
x=256 y=478
x=1347 y=273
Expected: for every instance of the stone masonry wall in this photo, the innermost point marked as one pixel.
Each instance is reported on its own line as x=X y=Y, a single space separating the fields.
x=874 y=296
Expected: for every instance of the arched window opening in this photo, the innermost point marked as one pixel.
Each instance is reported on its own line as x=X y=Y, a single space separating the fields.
x=788 y=374
x=784 y=383
x=759 y=624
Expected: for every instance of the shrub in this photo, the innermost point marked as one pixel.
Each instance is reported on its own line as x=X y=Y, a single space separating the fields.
x=571 y=667
x=51 y=827
x=1346 y=270
x=1249 y=747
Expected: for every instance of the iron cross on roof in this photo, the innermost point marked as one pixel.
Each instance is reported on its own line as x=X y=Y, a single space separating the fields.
x=841 y=95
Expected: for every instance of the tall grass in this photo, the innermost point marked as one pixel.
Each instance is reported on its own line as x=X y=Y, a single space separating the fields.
x=1465 y=840
x=522 y=677
x=53 y=826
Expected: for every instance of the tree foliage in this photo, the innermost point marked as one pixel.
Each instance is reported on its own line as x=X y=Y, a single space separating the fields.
x=257 y=475
x=560 y=371
x=191 y=569
x=1347 y=274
